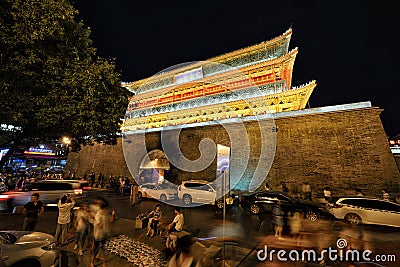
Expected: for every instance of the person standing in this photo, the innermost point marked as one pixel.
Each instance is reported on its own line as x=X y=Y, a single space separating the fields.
x=134 y=193
x=277 y=214
x=121 y=187
x=306 y=188
x=327 y=193
x=101 y=228
x=64 y=218
x=32 y=211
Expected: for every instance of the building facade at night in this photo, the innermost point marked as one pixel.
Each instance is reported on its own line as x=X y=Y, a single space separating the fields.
x=247 y=82
x=343 y=146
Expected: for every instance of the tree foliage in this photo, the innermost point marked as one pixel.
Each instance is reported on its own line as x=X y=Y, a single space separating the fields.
x=52 y=83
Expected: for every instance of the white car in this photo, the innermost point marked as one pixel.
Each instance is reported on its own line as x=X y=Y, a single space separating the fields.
x=366 y=210
x=153 y=190
x=28 y=249
x=199 y=191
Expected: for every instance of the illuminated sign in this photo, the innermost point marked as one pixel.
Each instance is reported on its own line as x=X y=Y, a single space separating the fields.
x=40 y=151
x=188 y=76
x=3 y=152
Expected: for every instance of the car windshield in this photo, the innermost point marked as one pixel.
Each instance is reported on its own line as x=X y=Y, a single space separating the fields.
x=7 y=238
x=213 y=185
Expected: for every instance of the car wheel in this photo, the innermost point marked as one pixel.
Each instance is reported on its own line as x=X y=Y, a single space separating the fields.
x=255 y=209
x=353 y=218
x=311 y=215
x=187 y=199
x=26 y=263
x=163 y=198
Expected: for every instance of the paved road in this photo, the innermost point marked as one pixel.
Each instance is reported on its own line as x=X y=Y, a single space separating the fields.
x=247 y=233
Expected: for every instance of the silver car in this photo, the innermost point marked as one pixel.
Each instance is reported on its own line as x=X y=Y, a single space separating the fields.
x=152 y=190
x=367 y=210
x=23 y=249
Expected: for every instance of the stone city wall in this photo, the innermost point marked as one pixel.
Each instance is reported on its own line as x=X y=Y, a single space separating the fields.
x=343 y=149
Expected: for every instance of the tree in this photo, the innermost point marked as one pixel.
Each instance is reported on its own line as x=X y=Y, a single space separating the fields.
x=52 y=83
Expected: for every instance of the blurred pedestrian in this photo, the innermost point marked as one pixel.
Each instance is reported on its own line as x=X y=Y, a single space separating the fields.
x=284 y=188
x=121 y=187
x=65 y=205
x=101 y=229
x=296 y=225
x=267 y=187
x=92 y=177
x=134 y=197
x=81 y=223
x=327 y=193
x=184 y=257
x=306 y=188
x=359 y=193
x=277 y=217
x=155 y=217
x=385 y=195
x=32 y=211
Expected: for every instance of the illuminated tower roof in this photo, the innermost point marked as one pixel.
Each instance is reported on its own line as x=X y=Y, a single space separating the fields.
x=246 y=82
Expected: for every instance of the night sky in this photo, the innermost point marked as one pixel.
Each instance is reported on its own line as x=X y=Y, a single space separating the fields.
x=348 y=47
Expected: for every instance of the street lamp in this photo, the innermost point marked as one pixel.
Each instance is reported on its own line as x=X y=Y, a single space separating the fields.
x=66 y=142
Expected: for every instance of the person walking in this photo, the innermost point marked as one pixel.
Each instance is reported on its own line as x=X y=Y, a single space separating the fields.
x=101 y=229
x=32 y=211
x=277 y=219
x=184 y=256
x=81 y=223
x=64 y=218
x=155 y=217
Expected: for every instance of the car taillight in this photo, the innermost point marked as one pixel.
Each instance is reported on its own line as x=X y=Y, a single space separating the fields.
x=77 y=191
x=3 y=197
x=242 y=199
x=86 y=188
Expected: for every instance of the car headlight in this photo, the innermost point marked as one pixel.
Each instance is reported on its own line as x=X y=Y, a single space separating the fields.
x=51 y=246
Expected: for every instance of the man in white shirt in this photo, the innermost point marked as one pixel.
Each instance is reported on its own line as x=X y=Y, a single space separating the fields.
x=177 y=224
x=64 y=218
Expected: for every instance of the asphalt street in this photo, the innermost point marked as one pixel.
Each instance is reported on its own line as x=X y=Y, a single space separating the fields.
x=244 y=233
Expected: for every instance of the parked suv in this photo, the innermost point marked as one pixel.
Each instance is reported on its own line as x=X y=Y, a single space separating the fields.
x=49 y=192
x=368 y=210
x=199 y=191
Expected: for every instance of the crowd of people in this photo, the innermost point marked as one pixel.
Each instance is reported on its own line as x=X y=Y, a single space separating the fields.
x=91 y=223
